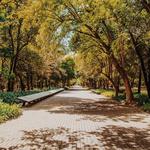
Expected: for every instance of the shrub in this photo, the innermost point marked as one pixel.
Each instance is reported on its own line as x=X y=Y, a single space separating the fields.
x=11 y=97
x=141 y=99
x=8 y=111
x=146 y=107
x=120 y=97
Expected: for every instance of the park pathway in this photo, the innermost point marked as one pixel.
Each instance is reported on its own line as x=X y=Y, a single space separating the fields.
x=77 y=119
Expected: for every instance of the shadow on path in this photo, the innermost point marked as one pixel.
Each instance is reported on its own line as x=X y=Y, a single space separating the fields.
x=111 y=138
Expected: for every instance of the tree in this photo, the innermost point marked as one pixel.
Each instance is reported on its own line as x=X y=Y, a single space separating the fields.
x=68 y=65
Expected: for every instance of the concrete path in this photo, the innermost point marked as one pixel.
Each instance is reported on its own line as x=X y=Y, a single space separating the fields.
x=77 y=120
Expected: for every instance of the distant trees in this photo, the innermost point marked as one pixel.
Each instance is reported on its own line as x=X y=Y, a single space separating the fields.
x=68 y=65
x=28 y=69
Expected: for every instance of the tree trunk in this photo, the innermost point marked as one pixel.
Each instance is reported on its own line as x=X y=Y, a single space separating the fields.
x=116 y=91
x=22 y=85
x=141 y=60
x=116 y=86
x=132 y=82
x=28 y=82
x=122 y=72
x=140 y=79
x=10 y=84
x=31 y=81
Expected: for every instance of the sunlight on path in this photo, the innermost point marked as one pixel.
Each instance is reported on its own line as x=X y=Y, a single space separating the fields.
x=44 y=129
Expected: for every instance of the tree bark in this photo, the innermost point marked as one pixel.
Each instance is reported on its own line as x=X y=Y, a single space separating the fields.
x=122 y=72
x=116 y=86
x=140 y=79
x=146 y=74
x=22 y=85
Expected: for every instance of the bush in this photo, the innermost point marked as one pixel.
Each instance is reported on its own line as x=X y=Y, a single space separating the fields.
x=141 y=99
x=11 y=97
x=120 y=97
x=146 y=107
x=8 y=111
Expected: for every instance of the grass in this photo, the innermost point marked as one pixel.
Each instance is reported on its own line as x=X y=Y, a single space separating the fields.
x=141 y=99
x=108 y=93
x=8 y=111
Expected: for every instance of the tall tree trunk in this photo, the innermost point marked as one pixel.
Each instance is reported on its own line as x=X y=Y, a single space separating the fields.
x=28 y=82
x=116 y=91
x=22 y=85
x=122 y=72
x=140 y=79
x=31 y=81
x=10 y=83
x=11 y=80
x=141 y=60
x=115 y=85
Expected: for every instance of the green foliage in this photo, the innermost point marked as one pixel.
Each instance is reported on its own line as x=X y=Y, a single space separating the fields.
x=141 y=99
x=8 y=111
x=11 y=97
x=68 y=65
x=146 y=107
x=120 y=97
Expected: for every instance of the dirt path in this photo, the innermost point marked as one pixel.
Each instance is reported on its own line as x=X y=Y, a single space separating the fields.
x=77 y=120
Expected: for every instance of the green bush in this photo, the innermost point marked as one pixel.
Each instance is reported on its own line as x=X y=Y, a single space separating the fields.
x=141 y=99
x=8 y=111
x=120 y=97
x=11 y=97
x=146 y=107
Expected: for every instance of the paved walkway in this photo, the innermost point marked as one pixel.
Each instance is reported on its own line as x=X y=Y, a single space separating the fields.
x=77 y=120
